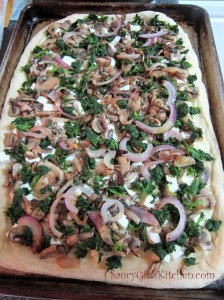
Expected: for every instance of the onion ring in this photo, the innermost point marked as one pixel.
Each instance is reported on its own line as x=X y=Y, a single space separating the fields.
x=177 y=232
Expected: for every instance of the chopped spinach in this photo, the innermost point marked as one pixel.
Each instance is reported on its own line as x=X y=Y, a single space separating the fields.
x=15 y=210
x=199 y=154
x=213 y=225
x=72 y=128
x=23 y=124
x=114 y=262
x=189 y=261
x=192 y=78
x=90 y=105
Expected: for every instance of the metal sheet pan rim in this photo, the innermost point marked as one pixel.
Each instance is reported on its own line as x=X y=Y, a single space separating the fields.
x=92 y=4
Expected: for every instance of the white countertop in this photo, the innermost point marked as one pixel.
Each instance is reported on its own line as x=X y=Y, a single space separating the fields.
x=216 y=14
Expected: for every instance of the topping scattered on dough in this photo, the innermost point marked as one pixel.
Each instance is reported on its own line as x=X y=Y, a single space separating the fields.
x=102 y=145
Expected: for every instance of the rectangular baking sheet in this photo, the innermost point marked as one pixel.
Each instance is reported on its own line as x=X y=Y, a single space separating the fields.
x=195 y=22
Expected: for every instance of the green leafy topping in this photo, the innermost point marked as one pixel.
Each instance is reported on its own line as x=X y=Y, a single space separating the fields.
x=194 y=110
x=111 y=144
x=189 y=261
x=84 y=205
x=162 y=214
x=45 y=189
x=23 y=124
x=26 y=86
x=185 y=64
x=27 y=236
x=26 y=68
x=42 y=170
x=93 y=243
x=116 y=190
x=90 y=105
x=192 y=78
x=182 y=96
x=175 y=171
x=158 y=175
x=72 y=128
x=199 y=154
x=39 y=52
x=213 y=225
x=45 y=143
x=93 y=137
x=76 y=66
x=64 y=49
x=137 y=20
x=182 y=110
x=114 y=262
x=17 y=153
x=26 y=174
x=89 y=163
x=193 y=229
x=15 y=210
x=45 y=205
x=132 y=130
x=68 y=110
x=179 y=42
x=123 y=104
x=144 y=187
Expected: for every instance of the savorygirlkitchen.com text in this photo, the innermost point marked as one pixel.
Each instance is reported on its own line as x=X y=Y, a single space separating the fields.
x=160 y=274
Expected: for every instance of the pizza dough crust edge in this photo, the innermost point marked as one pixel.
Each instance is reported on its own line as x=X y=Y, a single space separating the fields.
x=20 y=258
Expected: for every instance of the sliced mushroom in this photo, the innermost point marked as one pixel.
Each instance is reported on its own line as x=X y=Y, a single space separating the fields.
x=53 y=178
x=53 y=250
x=47 y=85
x=11 y=139
x=96 y=125
x=174 y=71
x=21 y=235
x=14 y=109
x=183 y=161
x=193 y=90
x=205 y=239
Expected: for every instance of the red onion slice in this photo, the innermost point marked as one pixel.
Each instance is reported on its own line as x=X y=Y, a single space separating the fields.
x=153 y=35
x=96 y=153
x=107 y=217
x=136 y=157
x=35 y=228
x=107 y=81
x=171 y=155
x=145 y=168
x=52 y=216
x=64 y=187
x=53 y=95
x=144 y=215
x=172 y=134
x=172 y=117
x=35 y=135
x=70 y=206
x=63 y=113
x=43 y=130
x=62 y=63
x=119 y=24
x=132 y=216
x=63 y=145
x=107 y=159
x=162 y=148
x=177 y=232
x=97 y=220
x=148 y=43
x=127 y=56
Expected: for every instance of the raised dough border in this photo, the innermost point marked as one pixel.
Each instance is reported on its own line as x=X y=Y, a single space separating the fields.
x=19 y=258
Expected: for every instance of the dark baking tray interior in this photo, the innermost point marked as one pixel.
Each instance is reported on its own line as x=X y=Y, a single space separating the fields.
x=196 y=22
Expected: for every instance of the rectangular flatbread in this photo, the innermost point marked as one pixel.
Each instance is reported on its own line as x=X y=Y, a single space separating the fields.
x=110 y=168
